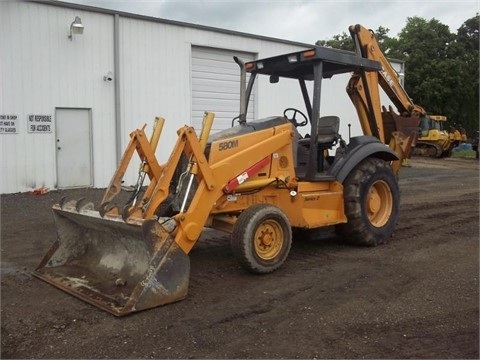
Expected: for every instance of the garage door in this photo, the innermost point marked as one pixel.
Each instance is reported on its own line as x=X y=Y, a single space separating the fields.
x=216 y=86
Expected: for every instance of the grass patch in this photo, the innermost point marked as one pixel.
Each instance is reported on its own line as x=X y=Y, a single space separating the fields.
x=463 y=154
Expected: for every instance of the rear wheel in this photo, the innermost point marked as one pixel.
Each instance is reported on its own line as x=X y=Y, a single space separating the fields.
x=261 y=238
x=371 y=197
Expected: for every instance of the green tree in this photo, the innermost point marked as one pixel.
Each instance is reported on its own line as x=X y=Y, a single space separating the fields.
x=442 y=69
x=431 y=74
x=344 y=41
x=341 y=41
x=467 y=50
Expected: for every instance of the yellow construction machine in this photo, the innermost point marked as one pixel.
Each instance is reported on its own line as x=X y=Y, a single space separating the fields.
x=257 y=181
x=434 y=140
x=457 y=136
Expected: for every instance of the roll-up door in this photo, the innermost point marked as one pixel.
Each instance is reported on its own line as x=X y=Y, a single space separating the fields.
x=216 y=86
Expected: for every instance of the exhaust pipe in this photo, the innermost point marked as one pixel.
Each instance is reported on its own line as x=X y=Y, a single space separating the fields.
x=243 y=97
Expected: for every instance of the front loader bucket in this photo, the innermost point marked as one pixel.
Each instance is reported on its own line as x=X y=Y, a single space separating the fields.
x=116 y=266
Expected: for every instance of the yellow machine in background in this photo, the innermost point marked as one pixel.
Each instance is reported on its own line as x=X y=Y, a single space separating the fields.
x=257 y=181
x=457 y=136
x=434 y=140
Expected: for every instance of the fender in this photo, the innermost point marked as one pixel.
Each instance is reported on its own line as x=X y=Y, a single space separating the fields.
x=359 y=148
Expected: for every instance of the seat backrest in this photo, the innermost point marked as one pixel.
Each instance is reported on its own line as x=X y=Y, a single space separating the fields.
x=327 y=129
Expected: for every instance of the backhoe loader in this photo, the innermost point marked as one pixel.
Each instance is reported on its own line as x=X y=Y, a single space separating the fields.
x=257 y=180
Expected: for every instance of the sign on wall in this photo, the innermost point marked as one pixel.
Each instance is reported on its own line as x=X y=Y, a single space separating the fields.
x=8 y=124
x=39 y=124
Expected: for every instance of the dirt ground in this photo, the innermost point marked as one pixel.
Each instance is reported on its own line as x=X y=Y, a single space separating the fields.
x=415 y=297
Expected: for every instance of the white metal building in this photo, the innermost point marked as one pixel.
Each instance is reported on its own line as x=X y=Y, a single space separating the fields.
x=68 y=101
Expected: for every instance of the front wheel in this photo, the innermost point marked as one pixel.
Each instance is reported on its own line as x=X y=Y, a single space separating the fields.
x=261 y=238
x=371 y=198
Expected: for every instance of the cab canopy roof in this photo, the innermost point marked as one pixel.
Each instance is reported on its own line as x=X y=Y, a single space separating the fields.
x=301 y=64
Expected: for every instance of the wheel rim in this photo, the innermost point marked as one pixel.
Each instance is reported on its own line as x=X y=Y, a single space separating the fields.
x=379 y=203
x=268 y=240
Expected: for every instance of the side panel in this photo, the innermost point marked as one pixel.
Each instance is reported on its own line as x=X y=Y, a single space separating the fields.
x=73 y=148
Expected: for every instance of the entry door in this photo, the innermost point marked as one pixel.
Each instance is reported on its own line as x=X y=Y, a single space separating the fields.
x=74 y=148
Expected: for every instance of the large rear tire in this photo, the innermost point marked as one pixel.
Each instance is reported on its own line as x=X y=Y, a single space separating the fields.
x=371 y=197
x=261 y=238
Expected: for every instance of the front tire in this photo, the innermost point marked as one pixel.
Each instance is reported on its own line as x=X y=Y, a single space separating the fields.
x=371 y=198
x=261 y=238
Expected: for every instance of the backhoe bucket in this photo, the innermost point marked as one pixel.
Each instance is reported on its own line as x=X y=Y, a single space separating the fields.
x=116 y=266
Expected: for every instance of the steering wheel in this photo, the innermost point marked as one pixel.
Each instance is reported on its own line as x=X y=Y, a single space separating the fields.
x=293 y=119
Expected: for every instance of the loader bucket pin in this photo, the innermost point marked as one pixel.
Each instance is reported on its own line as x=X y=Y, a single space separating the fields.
x=119 y=267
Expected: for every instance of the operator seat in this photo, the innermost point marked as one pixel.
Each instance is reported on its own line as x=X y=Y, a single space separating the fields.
x=327 y=131
x=327 y=137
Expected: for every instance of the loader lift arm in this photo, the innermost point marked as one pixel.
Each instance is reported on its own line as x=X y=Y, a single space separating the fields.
x=211 y=179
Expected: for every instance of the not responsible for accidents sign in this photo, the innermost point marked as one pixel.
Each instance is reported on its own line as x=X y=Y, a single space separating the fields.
x=39 y=124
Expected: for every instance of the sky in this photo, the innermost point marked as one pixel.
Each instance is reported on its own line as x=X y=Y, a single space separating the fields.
x=304 y=21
